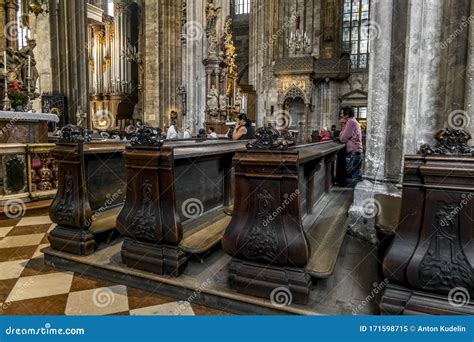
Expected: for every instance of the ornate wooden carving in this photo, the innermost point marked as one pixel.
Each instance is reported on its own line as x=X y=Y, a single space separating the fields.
x=268 y=138
x=78 y=197
x=266 y=237
x=147 y=136
x=431 y=255
x=449 y=141
x=74 y=134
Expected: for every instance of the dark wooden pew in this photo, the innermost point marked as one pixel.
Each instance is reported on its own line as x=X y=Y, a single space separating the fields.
x=90 y=194
x=176 y=195
x=430 y=264
x=272 y=236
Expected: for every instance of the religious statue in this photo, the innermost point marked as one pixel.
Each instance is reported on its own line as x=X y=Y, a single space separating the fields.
x=212 y=12
x=238 y=100
x=80 y=116
x=21 y=65
x=229 y=49
x=223 y=102
x=213 y=101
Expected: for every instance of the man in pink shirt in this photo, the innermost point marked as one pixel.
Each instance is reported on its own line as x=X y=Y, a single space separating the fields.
x=351 y=135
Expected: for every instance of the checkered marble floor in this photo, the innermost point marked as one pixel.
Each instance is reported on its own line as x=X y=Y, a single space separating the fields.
x=29 y=287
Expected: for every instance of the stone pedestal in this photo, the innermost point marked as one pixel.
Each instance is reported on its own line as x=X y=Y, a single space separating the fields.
x=25 y=128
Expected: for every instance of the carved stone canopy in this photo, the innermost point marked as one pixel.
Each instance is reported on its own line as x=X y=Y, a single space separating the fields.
x=268 y=138
x=74 y=134
x=147 y=137
x=451 y=141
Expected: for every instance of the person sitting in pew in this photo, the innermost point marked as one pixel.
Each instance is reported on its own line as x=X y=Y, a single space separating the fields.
x=172 y=132
x=351 y=135
x=212 y=133
x=243 y=129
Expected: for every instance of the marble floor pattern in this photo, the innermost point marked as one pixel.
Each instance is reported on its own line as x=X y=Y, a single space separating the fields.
x=29 y=287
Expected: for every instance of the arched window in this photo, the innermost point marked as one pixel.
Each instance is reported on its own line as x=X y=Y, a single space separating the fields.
x=355 y=32
x=242 y=7
x=110 y=7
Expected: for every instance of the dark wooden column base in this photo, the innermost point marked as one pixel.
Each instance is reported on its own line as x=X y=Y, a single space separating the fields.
x=262 y=281
x=72 y=240
x=159 y=259
x=399 y=300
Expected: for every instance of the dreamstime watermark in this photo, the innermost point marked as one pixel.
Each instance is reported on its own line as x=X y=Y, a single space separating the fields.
x=459 y=297
x=457 y=210
x=281 y=297
x=14 y=208
x=9 y=125
x=192 y=208
x=111 y=199
x=464 y=24
x=183 y=305
x=283 y=120
x=46 y=330
x=16 y=295
x=371 y=208
x=11 y=30
x=377 y=288
x=281 y=31
x=192 y=31
x=459 y=119
x=286 y=202
x=103 y=297
x=103 y=120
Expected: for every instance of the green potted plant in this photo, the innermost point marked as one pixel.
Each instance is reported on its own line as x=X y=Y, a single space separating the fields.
x=18 y=97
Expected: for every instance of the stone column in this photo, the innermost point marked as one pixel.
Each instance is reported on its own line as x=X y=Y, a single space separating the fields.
x=379 y=86
x=469 y=101
x=422 y=73
x=2 y=21
x=10 y=23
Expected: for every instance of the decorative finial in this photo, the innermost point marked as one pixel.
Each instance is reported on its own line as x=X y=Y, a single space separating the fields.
x=268 y=138
x=147 y=136
x=451 y=141
x=74 y=134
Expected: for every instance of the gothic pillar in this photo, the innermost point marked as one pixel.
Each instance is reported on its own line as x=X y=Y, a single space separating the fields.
x=2 y=21
x=422 y=80
x=11 y=24
x=469 y=101
x=379 y=94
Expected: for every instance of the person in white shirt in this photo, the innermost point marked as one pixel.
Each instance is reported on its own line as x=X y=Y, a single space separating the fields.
x=187 y=133
x=172 y=133
x=212 y=133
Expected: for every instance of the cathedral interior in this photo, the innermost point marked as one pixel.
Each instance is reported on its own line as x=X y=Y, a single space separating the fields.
x=237 y=157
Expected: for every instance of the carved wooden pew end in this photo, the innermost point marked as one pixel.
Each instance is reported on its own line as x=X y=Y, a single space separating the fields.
x=159 y=259
x=71 y=240
x=292 y=284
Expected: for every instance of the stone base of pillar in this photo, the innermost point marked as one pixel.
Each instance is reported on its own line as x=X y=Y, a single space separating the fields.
x=74 y=241
x=365 y=209
x=282 y=285
x=159 y=259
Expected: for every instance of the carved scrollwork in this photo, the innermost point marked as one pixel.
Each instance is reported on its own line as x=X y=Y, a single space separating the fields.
x=143 y=223
x=268 y=138
x=451 y=141
x=147 y=136
x=74 y=134
x=445 y=265
x=65 y=208
x=262 y=241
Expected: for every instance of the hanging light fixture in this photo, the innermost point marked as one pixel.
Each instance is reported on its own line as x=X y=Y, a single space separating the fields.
x=299 y=41
x=38 y=8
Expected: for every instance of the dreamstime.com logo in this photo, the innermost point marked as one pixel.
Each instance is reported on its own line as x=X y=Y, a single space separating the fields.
x=281 y=297
x=371 y=208
x=192 y=208
x=46 y=330
x=459 y=297
x=192 y=31
x=103 y=297
x=14 y=208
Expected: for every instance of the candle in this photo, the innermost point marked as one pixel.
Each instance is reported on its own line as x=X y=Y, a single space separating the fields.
x=29 y=67
x=5 y=62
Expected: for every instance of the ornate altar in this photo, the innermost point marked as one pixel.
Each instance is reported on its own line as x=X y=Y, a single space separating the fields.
x=221 y=72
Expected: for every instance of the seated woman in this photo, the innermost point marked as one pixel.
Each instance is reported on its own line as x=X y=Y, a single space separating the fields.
x=243 y=129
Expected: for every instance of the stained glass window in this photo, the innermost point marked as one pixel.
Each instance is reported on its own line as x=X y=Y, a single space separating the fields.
x=242 y=6
x=355 y=31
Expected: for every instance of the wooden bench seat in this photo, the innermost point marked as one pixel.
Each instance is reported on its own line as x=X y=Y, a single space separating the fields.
x=274 y=234
x=91 y=191
x=176 y=195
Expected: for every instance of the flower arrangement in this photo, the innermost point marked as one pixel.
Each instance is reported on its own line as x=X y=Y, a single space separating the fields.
x=18 y=97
